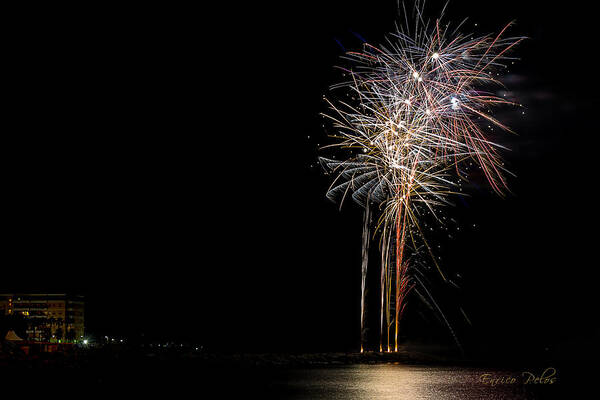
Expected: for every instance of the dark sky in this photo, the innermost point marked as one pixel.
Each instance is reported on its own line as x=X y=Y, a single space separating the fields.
x=158 y=161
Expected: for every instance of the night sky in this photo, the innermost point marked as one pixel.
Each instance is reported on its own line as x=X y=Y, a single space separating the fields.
x=163 y=162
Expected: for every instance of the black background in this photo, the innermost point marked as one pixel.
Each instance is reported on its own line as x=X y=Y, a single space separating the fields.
x=158 y=161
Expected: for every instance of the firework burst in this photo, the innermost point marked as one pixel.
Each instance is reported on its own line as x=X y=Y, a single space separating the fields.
x=418 y=105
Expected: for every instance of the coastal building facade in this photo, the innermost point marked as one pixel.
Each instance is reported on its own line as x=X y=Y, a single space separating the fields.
x=51 y=317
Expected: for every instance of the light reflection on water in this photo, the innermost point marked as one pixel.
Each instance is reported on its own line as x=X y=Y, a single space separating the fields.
x=397 y=382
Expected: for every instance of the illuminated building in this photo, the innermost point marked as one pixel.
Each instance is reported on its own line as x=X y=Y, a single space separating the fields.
x=50 y=317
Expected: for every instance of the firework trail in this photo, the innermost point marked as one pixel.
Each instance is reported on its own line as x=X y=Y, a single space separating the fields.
x=365 y=263
x=418 y=109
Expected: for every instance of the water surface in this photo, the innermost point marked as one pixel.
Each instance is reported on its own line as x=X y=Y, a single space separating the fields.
x=398 y=382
